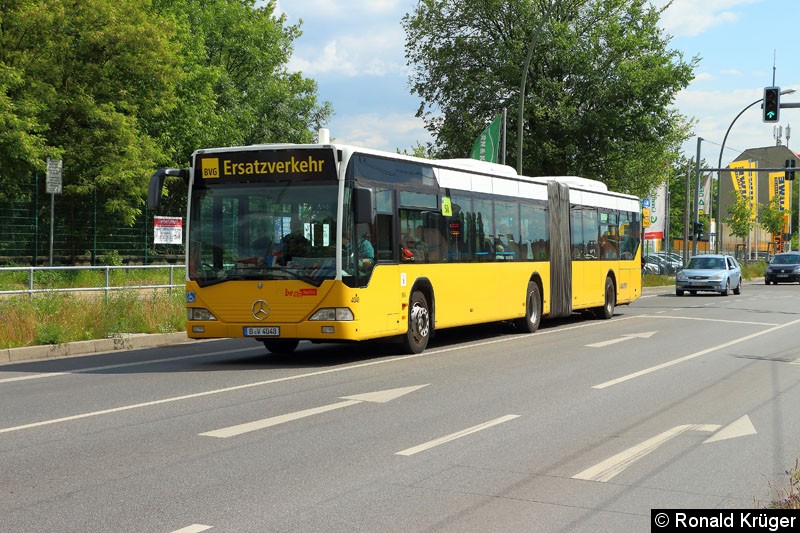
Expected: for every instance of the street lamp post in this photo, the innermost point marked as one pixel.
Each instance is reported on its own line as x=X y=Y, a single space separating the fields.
x=520 y=115
x=719 y=163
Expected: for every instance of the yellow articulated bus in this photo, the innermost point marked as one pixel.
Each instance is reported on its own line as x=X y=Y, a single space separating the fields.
x=333 y=243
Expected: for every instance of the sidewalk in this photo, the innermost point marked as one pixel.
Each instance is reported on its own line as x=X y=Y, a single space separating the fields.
x=128 y=341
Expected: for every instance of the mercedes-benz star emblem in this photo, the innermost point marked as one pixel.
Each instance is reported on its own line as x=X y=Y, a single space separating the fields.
x=260 y=310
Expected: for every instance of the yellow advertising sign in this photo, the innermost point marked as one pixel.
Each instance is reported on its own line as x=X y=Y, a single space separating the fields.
x=780 y=188
x=745 y=182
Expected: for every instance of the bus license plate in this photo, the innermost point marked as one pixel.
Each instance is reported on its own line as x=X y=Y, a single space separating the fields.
x=261 y=331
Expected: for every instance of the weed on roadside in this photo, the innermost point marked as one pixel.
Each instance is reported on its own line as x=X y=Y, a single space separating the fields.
x=791 y=496
x=55 y=318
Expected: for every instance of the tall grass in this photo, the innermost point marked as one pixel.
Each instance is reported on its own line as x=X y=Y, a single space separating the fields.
x=61 y=279
x=55 y=318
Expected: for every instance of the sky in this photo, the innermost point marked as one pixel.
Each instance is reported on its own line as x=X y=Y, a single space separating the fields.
x=354 y=49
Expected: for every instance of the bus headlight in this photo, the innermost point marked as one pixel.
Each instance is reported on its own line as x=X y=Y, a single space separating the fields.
x=333 y=314
x=199 y=313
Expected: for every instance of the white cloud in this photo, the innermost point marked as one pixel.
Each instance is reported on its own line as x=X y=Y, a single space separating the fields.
x=329 y=59
x=375 y=53
x=731 y=72
x=343 y=9
x=374 y=130
x=693 y=17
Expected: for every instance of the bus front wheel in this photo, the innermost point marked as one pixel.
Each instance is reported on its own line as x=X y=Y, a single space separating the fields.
x=606 y=311
x=533 y=310
x=419 y=324
x=281 y=346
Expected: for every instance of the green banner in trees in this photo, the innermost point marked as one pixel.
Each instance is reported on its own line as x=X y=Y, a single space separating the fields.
x=487 y=145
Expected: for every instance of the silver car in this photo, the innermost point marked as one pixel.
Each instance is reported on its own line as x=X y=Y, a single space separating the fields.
x=712 y=273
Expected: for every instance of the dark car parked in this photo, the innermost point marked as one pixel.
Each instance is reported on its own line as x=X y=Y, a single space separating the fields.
x=784 y=267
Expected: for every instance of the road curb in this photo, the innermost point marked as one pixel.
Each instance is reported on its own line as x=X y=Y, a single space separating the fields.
x=132 y=341
x=125 y=341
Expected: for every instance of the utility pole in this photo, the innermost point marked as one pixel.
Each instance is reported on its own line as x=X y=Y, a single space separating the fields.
x=686 y=211
x=696 y=197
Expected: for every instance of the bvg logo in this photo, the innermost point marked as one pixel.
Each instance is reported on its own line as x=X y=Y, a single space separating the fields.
x=211 y=168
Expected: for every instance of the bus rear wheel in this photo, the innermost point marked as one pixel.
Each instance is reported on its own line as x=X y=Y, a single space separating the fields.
x=606 y=310
x=533 y=310
x=280 y=346
x=419 y=324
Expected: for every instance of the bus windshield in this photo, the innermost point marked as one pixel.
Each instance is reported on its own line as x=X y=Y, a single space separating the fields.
x=263 y=231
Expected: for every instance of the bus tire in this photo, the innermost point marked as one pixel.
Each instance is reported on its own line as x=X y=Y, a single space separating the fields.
x=533 y=310
x=280 y=346
x=606 y=310
x=419 y=324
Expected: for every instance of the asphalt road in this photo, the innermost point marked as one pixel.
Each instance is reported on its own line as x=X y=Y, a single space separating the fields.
x=587 y=425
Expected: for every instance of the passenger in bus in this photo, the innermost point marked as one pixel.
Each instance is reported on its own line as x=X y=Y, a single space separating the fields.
x=419 y=247
x=629 y=243
x=608 y=246
x=294 y=243
x=364 y=252
x=264 y=252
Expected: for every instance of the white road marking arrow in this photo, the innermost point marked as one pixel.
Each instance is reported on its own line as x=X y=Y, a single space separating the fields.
x=375 y=397
x=457 y=435
x=627 y=337
x=738 y=428
x=612 y=466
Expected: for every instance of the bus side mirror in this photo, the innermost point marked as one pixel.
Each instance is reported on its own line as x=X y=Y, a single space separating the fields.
x=157 y=183
x=362 y=202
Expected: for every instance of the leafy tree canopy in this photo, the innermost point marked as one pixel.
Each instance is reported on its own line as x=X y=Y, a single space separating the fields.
x=118 y=88
x=599 y=88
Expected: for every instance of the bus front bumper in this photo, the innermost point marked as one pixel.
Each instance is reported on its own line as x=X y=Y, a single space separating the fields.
x=308 y=330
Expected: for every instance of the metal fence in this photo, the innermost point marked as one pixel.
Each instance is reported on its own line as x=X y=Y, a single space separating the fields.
x=81 y=232
x=106 y=288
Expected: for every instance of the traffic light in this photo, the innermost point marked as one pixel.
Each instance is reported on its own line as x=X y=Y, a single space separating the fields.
x=772 y=104
x=790 y=173
x=698 y=230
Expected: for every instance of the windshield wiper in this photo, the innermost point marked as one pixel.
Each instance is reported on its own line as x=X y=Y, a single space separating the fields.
x=302 y=277
x=259 y=273
x=208 y=282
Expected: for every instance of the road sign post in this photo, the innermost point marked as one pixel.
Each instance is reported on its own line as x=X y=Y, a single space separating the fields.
x=54 y=186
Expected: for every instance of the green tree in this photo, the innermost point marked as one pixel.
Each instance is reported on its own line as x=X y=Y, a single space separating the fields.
x=770 y=216
x=118 y=89
x=237 y=89
x=21 y=134
x=599 y=88
x=740 y=220
x=84 y=77
x=417 y=151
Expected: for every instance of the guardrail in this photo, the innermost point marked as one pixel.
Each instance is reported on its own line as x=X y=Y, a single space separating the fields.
x=106 y=288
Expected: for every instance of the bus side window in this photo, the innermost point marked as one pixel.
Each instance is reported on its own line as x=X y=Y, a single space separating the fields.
x=384 y=247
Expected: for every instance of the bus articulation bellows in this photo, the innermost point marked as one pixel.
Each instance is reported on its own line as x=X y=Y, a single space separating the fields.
x=335 y=243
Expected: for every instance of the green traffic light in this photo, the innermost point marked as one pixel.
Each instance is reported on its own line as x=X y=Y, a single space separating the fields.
x=771 y=104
